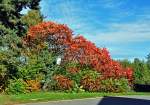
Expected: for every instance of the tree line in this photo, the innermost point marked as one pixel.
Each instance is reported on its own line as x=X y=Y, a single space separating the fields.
x=141 y=69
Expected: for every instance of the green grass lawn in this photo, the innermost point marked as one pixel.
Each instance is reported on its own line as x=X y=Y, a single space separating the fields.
x=53 y=96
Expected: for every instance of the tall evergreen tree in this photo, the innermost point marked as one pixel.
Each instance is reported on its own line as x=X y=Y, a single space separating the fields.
x=13 y=25
x=10 y=13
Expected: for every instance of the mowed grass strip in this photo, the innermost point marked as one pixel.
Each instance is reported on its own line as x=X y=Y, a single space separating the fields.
x=54 y=96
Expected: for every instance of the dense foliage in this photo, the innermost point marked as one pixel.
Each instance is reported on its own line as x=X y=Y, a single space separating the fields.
x=56 y=36
x=59 y=38
x=9 y=54
x=28 y=60
x=12 y=26
x=86 y=53
x=141 y=70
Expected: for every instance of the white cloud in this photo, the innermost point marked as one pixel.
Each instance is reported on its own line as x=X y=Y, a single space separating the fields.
x=117 y=29
x=112 y=4
x=124 y=32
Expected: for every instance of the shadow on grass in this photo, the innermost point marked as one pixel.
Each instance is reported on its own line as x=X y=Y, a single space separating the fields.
x=123 y=101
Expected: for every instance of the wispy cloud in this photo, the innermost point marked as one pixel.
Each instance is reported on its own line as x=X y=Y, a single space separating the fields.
x=115 y=24
x=112 y=4
x=124 y=33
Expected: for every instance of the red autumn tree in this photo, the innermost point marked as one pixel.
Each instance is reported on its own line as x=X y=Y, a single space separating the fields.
x=56 y=35
x=78 y=49
x=86 y=53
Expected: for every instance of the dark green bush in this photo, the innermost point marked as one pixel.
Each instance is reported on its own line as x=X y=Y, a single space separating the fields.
x=16 y=87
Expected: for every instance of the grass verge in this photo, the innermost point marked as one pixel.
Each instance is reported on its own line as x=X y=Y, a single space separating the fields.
x=54 y=96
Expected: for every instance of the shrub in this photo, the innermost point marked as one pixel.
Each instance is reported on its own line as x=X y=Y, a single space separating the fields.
x=38 y=67
x=33 y=85
x=78 y=74
x=84 y=78
x=90 y=84
x=63 y=83
x=16 y=87
x=115 y=85
x=73 y=71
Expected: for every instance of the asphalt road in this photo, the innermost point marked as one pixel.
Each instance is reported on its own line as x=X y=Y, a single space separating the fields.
x=120 y=100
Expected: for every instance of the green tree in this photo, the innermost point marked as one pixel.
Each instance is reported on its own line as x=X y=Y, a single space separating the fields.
x=9 y=54
x=125 y=63
x=10 y=15
x=33 y=17
x=138 y=67
x=148 y=61
x=11 y=27
x=141 y=72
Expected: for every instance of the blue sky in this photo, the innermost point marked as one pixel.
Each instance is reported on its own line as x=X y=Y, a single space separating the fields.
x=122 y=26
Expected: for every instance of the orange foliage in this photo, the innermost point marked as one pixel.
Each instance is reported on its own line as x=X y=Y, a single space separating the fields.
x=63 y=82
x=33 y=85
x=90 y=84
x=73 y=70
